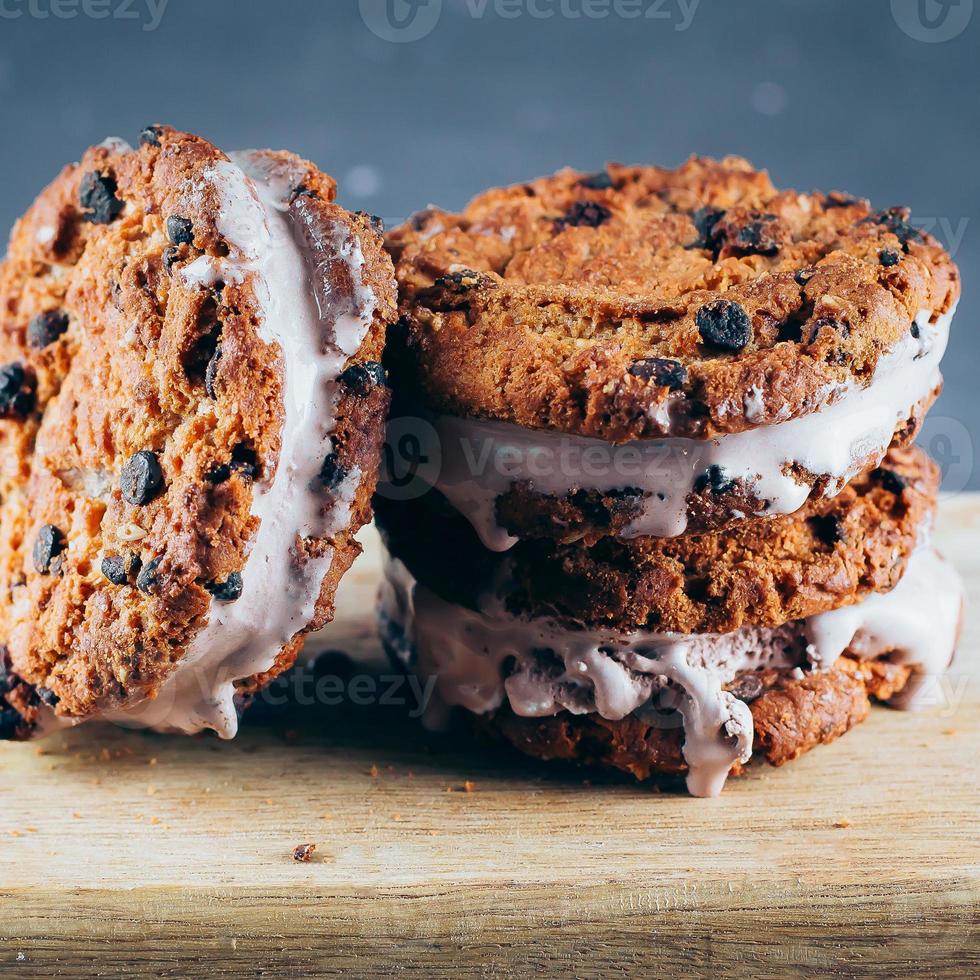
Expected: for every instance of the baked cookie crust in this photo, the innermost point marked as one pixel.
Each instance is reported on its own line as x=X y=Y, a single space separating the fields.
x=149 y=411
x=644 y=302
x=832 y=553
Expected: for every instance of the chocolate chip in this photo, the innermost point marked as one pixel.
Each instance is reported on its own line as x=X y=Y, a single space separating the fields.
x=16 y=392
x=914 y=330
x=114 y=569
x=747 y=687
x=180 y=230
x=211 y=372
x=888 y=257
x=803 y=276
x=827 y=529
x=715 y=479
x=600 y=181
x=332 y=473
x=170 y=257
x=704 y=220
x=135 y=564
x=218 y=475
x=97 y=195
x=812 y=329
x=896 y=220
x=835 y=199
x=420 y=219
x=227 y=591
x=147 y=580
x=50 y=543
x=889 y=480
x=724 y=325
x=150 y=136
x=361 y=378
x=755 y=237
x=243 y=461
x=587 y=214
x=141 y=478
x=377 y=224
x=47 y=696
x=46 y=328
x=460 y=282
x=661 y=371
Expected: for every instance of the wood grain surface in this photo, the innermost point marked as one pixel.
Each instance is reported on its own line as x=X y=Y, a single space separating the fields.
x=124 y=852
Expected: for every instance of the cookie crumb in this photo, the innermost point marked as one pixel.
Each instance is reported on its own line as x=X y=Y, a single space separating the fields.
x=304 y=852
x=842 y=824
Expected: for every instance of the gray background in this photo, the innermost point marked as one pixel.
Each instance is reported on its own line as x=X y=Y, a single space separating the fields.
x=861 y=95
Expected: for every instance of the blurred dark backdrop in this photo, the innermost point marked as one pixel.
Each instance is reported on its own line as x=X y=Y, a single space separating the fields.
x=415 y=101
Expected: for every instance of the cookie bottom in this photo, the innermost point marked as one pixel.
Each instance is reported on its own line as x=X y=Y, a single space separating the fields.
x=26 y=713
x=701 y=704
x=792 y=713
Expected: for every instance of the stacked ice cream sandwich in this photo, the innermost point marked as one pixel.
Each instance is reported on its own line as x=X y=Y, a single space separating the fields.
x=653 y=502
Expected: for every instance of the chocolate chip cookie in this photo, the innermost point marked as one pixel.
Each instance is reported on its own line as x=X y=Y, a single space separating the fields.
x=191 y=416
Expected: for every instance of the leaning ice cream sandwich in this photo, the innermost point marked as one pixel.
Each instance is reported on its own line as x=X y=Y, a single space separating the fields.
x=672 y=406
x=191 y=415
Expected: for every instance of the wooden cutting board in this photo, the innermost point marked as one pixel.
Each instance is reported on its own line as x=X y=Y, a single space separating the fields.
x=125 y=852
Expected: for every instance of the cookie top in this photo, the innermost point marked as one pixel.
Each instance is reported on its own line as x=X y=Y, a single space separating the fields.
x=641 y=301
x=191 y=414
x=766 y=573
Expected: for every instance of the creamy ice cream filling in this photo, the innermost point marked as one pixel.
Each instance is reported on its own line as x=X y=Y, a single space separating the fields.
x=316 y=330
x=483 y=659
x=478 y=460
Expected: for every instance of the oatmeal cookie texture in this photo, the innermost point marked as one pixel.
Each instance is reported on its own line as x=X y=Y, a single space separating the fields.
x=830 y=554
x=191 y=415
x=640 y=301
x=665 y=419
